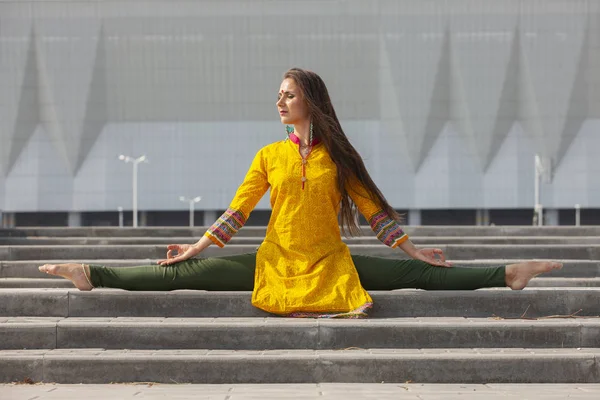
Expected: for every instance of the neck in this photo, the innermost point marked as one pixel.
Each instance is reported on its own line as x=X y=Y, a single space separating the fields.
x=302 y=130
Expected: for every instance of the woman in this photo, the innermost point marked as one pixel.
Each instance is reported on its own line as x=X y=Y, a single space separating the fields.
x=303 y=268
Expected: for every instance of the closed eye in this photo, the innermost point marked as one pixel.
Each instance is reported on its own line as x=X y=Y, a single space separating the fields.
x=289 y=95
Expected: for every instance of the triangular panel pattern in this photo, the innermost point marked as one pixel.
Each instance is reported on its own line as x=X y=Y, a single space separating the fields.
x=16 y=57
x=440 y=107
x=28 y=108
x=509 y=102
x=550 y=82
x=391 y=142
x=393 y=132
x=96 y=105
x=68 y=63
x=485 y=62
x=577 y=110
x=47 y=106
x=417 y=49
x=459 y=110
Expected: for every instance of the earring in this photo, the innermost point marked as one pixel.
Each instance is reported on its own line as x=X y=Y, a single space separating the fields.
x=289 y=130
x=310 y=143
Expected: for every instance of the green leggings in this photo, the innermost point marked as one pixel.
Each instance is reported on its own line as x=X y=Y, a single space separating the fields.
x=236 y=273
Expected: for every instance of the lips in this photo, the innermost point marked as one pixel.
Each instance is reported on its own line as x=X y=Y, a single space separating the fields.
x=282 y=112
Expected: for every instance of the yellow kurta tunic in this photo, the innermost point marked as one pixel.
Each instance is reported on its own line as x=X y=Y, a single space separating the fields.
x=302 y=265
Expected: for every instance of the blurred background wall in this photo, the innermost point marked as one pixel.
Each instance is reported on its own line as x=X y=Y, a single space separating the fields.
x=448 y=101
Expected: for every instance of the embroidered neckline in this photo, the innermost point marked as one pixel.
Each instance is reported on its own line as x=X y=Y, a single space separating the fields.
x=295 y=139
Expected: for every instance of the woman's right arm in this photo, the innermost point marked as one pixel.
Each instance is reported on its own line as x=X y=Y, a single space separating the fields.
x=249 y=193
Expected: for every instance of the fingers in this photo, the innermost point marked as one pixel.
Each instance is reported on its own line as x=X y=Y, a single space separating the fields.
x=442 y=260
x=439 y=263
x=169 y=261
x=172 y=249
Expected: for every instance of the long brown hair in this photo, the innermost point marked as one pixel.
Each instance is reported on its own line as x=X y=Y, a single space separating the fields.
x=327 y=128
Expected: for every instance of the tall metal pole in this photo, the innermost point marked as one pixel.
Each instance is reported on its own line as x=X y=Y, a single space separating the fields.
x=191 y=203
x=135 y=212
x=135 y=162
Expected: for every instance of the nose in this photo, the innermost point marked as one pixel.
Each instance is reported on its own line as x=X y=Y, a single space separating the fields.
x=279 y=101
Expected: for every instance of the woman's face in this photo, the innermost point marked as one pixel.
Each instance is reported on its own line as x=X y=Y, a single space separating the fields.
x=290 y=103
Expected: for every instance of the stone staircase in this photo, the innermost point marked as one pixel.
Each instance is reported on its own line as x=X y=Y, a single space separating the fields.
x=51 y=332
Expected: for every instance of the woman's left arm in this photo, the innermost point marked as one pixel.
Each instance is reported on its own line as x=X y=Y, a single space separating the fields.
x=389 y=231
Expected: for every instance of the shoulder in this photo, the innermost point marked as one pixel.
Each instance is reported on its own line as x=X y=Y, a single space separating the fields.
x=271 y=149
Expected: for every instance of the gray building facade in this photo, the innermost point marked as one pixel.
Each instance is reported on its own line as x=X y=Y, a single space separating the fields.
x=447 y=101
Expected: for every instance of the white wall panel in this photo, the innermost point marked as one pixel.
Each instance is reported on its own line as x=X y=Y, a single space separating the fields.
x=447 y=101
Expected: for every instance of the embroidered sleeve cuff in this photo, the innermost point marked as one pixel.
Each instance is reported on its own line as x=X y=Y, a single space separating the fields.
x=387 y=230
x=226 y=227
x=400 y=240
x=214 y=239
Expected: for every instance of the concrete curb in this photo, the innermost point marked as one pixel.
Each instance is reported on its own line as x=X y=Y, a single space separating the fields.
x=303 y=366
x=315 y=391
x=283 y=333
x=391 y=304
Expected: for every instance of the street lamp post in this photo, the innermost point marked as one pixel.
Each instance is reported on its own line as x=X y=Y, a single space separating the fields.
x=135 y=162
x=191 y=203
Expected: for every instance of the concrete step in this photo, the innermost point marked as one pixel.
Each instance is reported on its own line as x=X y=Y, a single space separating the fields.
x=53 y=282
x=107 y=252
x=571 y=268
x=418 y=240
x=564 y=282
x=532 y=303
x=463 y=251
x=494 y=365
x=96 y=231
x=428 y=231
x=307 y=391
x=29 y=268
x=285 y=333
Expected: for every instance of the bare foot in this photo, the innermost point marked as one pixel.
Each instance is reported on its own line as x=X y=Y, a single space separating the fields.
x=73 y=272
x=519 y=275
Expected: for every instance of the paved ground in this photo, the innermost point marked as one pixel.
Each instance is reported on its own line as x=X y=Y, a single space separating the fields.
x=303 y=391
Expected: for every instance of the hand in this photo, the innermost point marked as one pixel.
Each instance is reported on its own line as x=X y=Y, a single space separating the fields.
x=184 y=252
x=429 y=256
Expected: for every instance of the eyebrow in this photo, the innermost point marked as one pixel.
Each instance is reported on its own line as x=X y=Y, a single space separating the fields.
x=286 y=92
